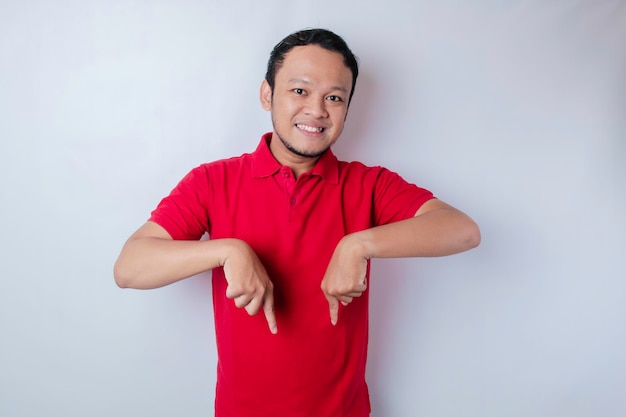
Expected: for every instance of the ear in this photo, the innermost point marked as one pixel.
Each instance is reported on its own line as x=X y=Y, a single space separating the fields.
x=266 y=95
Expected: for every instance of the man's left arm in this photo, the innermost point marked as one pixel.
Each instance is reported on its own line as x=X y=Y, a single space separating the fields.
x=437 y=229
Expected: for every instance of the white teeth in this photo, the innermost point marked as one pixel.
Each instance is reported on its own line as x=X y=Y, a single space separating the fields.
x=310 y=128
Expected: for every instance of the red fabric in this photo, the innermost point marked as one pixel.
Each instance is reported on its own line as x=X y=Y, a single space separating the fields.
x=310 y=368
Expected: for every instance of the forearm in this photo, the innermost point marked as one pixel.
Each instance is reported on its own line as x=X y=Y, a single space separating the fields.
x=439 y=232
x=152 y=262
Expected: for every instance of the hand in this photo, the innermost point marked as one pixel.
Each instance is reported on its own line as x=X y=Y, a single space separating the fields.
x=248 y=283
x=345 y=277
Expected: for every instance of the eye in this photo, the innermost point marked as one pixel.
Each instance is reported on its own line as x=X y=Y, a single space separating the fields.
x=335 y=98
x=298 y=91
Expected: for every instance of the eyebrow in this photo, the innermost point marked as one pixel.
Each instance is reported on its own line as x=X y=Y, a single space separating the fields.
x=303 y=81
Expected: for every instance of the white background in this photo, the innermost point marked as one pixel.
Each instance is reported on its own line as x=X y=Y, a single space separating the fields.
x=513 y=111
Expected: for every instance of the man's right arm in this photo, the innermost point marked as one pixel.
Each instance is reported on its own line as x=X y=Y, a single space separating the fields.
x=152 y=259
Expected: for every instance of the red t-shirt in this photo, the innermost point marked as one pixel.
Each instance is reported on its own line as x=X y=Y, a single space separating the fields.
x=310 y=368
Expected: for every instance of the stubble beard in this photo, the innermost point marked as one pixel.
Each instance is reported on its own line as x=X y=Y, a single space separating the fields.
x=298 y=152
x=303 y=154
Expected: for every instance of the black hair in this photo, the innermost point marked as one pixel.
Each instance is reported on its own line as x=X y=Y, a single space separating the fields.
x=321 y=37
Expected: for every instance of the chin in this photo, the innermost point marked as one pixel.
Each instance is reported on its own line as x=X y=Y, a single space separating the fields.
x=308 y=153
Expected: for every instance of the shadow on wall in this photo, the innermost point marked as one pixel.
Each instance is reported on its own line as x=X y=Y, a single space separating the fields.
x=620 y=133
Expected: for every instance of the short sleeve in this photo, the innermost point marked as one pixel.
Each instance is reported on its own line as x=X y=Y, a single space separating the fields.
x=396 y=199
x=184 y=212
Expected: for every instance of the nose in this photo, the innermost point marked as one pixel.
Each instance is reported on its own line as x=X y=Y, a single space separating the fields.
x=316 y=107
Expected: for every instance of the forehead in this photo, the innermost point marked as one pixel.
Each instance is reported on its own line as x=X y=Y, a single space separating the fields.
x=315 y=64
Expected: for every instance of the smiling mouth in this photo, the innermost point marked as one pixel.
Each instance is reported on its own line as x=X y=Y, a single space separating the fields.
x=310 y=129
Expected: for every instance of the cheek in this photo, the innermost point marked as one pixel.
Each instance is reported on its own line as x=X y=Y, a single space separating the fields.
x=339 y=117
x=284 y=110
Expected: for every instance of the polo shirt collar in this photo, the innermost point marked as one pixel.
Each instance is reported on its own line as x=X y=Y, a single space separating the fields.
x=265 y=165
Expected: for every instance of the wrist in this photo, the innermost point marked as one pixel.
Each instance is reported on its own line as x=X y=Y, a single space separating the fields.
x=227 y=248
x=357 y=244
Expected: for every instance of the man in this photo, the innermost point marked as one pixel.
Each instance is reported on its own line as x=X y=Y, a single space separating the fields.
x=292 y=230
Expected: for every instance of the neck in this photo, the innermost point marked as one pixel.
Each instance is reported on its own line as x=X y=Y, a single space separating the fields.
x=298 y=164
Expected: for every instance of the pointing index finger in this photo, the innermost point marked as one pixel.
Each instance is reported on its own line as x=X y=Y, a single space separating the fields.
x=268 y=310
x=334 y=309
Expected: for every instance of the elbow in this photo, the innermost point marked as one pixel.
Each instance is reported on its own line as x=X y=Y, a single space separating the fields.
x=123 y=277
x=128 y=274
x=472 y=236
